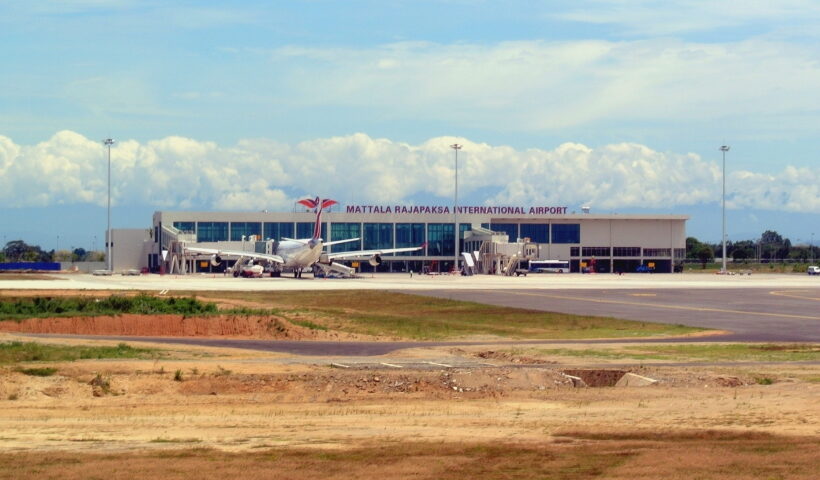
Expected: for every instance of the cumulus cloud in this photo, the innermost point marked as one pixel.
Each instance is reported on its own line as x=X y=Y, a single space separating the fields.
x=184 y=173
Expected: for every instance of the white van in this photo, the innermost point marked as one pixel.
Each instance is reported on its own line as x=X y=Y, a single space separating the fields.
x=813 y=270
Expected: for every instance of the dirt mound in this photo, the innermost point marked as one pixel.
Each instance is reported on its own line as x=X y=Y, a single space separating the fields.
x=234 y=326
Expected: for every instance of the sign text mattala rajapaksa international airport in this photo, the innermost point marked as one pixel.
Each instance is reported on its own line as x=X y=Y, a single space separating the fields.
x=420 y=209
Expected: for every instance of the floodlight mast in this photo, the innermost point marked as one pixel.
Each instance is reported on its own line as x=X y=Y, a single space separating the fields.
x=108 y=240
x=724 y=149
x=456 y=147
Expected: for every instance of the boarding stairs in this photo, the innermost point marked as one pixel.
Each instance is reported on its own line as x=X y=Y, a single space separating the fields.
x=172 y=250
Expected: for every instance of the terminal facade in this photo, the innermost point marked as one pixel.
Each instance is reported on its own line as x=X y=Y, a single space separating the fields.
x=603 y=243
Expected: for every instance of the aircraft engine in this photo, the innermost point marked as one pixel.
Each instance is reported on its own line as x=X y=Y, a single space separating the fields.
x=216 y=260
x=375 y=260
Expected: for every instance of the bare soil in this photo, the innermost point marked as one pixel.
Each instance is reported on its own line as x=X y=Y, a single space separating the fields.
x=227 y=326
x=240 y=414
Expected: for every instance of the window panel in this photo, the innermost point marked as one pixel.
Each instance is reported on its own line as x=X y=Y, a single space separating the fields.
x=537 y=232
x=246 y=229
x=185 y=227
x=378 y=236
x=305 y=230
x=566 y=233
x=212 y=231
x=595 y=251
x=511 y=229
x=344 y=231
x=626 y=251
x=410 y=235
x=440 y=239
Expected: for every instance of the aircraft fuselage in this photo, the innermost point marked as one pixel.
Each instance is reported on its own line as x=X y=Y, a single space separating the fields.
x=299 y=254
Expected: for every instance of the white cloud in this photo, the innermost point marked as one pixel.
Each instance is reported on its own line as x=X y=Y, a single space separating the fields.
x=646 y=17
x=255 y=174
x=540 y=85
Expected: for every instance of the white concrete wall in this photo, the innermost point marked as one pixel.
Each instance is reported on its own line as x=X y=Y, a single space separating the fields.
x=130 y=248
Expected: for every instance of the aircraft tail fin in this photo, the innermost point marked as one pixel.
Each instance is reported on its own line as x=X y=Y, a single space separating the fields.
x=318 y=204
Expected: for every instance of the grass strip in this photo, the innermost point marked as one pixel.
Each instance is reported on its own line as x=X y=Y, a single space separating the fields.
x=425 y=318
x=16 y=352
x=44 y=307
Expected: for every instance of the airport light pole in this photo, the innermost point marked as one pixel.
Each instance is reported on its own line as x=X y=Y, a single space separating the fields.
x=456 y=147
x=108 y=240
x=811 y=247
x=724 y=149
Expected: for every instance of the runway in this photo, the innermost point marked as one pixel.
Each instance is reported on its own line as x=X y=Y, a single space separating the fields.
x=751 y=314
x=763 y=308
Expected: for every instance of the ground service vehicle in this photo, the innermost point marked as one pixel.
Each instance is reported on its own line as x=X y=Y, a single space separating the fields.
x=813 y=270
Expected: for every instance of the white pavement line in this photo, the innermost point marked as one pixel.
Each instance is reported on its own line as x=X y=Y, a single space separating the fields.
x=440 y=364
x=339 y=365
x=391 y=365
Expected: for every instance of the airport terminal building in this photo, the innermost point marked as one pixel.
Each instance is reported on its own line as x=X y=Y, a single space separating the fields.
x=601 y=243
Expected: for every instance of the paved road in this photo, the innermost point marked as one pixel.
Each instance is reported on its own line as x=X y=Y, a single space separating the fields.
x=753 y=314
x=782 y=314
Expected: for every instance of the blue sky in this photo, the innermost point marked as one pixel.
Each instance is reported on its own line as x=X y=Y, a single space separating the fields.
x=221 y=105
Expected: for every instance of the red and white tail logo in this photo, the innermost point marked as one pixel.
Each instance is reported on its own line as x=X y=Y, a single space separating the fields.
x=318 y=205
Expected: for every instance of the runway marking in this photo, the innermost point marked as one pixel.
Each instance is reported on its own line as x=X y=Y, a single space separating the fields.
x=391 y=365
x=657 y=305
x=339 y=365
x=643 y=294
x=440 y=364
x=788 y=292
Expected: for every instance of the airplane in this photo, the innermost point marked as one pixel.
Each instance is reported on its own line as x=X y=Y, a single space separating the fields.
x=296 y=254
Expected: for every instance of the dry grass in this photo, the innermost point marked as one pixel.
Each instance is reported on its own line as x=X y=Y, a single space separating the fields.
x=575 y=455
x=417 y=317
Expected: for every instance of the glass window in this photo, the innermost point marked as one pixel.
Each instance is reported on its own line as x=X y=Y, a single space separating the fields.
x=463 y=227
x=511 y=229
x=185 y=227
x=211 y=231
x=595 y=251
x=657 y=252
x=626 y=251
x=575 y=251
x=246 y=229
x=485 y=226
x=566 y=233
x=305 y=230
x=378 y=236
x=344 y=231
x=440 y=239
x=277 y=230
x=536 y=232
x=410 y=235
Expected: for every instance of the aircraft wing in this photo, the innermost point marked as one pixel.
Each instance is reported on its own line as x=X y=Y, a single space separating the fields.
x=235 y=253
x=370 y=253
x=341 y=241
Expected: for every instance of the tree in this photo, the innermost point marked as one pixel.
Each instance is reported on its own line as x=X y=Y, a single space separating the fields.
x=771 y=237
x=19 y=251
x=692 y=247
x=743 y=250
x=704 y=254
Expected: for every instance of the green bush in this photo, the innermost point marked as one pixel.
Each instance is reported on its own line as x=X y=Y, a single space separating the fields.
x=21 y=308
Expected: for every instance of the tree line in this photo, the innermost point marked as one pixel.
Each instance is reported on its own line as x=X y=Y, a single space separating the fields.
x=771 y=247
x=20 y=251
